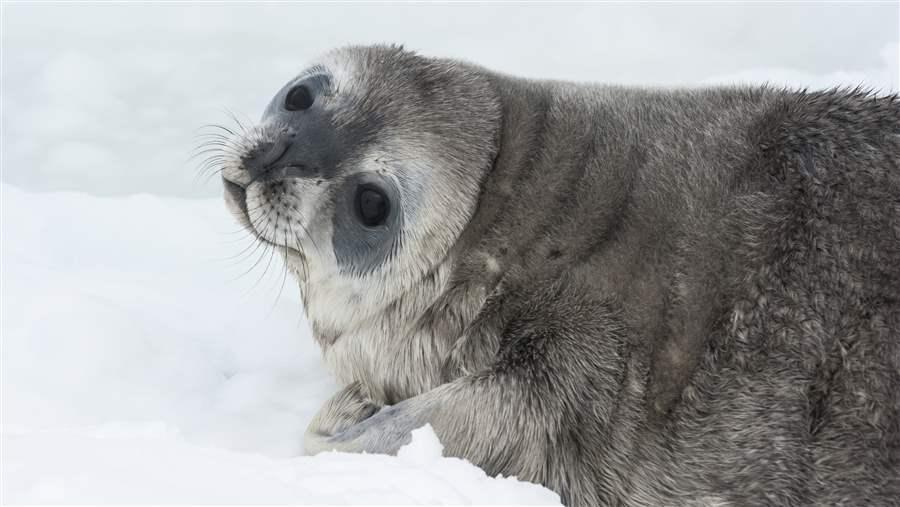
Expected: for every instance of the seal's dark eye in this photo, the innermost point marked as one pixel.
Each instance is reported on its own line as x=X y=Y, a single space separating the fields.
x=372 y=206
x=298 y=99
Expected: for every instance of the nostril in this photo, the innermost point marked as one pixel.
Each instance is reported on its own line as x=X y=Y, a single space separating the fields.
x=264 y=157
x=275 y=154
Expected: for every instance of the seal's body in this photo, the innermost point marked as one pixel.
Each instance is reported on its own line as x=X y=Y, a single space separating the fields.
x=631 y=296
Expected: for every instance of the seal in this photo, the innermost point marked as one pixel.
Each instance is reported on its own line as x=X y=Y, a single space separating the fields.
x=632 y=296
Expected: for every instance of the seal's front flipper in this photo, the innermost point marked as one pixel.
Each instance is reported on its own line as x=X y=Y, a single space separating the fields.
x=563 y=360
x=346 y=409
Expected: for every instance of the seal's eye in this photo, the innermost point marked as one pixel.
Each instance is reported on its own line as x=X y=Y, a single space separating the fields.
x=298 y=99
x=372 y=206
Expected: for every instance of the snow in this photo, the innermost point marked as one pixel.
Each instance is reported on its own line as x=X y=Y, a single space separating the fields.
x=90 y=88
x=154 y=464
x=140 y=365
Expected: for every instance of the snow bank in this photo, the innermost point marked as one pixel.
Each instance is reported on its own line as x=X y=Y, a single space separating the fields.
x=139 y=364
x=152 y=464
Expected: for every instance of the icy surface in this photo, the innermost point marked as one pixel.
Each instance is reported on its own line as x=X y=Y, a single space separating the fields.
x=140 y=365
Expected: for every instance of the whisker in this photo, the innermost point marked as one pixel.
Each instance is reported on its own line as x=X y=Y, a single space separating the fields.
x=219 y=127
x=213 y=160
x=283 y=280
x=302 y=257
x=202 y=150
x=211 y=135
x=240 y=255
x=264 y=244
x=235 y=119
x=268 y=264
x=257 y=236
x=216 y=142
x=261 y=235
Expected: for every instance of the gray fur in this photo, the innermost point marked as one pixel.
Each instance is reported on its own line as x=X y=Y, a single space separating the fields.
x=631 y=296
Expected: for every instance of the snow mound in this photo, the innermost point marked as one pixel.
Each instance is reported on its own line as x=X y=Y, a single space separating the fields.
x=140 y=364
x=151 y=464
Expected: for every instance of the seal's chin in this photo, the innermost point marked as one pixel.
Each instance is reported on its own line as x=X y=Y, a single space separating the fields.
x=236 y=200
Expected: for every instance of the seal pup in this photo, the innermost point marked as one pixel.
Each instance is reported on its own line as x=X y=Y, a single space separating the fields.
x=632 y=296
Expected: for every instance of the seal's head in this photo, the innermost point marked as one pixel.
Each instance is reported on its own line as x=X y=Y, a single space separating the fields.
x=365 y=169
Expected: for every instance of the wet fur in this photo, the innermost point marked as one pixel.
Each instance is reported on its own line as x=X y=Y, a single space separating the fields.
x=679 y=297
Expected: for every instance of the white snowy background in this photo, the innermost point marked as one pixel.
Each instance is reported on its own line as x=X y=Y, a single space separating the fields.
x=148 y=354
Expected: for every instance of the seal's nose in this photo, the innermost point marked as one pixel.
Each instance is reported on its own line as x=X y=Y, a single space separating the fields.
x=265 y=157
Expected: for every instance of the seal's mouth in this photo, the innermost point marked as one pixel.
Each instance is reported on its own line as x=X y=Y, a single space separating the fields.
x=236 y=198
x=238 y=195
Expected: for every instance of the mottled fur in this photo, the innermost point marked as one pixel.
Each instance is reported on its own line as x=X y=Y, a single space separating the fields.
x=678 y=297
